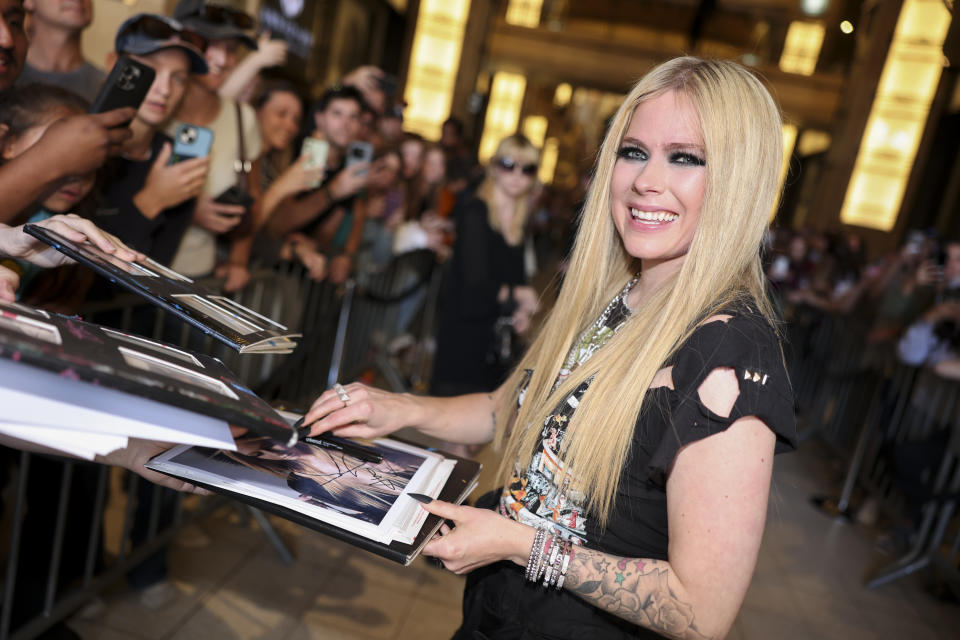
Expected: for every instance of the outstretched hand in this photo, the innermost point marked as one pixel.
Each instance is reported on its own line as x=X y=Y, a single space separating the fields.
x=479 y=537
x=369 y=412
x=17 y=244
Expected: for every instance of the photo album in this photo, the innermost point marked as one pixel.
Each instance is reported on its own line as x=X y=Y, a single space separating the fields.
x=50 y=363
x=83 y=389
x=226 y=320
x=362 y=502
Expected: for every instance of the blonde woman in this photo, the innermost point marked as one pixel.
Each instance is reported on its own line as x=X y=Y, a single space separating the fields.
x=486 y=271
x=637 y=468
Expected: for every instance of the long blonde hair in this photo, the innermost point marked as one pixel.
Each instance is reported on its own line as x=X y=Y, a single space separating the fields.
x=741 y=128
x=522 y=150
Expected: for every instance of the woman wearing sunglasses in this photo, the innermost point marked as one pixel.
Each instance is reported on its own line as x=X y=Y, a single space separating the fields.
x=638 y=432
x=486 y=275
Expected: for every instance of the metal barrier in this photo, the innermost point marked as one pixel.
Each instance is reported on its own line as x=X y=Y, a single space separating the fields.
x=873 y=412
x=346 y=331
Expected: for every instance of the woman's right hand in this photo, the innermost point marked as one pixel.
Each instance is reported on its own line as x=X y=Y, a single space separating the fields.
x=369 y=412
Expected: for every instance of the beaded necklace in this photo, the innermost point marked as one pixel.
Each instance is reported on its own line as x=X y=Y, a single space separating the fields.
x=595 y=336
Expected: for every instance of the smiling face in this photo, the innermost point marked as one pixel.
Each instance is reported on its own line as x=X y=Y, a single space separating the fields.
x=172 y=67
x=659 y=180
x=339 y=122
x=279 y=119
x=13 y=42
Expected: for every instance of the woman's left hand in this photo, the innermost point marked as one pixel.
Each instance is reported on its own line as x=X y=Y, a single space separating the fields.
x=479 y=537
x=17 y=244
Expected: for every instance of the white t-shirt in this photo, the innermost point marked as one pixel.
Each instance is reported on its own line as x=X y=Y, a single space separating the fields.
x=197 y=253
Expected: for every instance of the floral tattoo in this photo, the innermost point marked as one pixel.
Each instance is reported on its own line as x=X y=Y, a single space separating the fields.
x=632 y=589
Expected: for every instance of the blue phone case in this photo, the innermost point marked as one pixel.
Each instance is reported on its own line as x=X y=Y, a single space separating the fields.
x=191 y=141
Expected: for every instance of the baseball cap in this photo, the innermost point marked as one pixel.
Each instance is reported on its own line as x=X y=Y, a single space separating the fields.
x=215 y=21
x=146 y=33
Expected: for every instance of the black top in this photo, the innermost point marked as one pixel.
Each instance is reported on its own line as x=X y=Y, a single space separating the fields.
x=637 y=526
x=481 y=263
x=122 y=179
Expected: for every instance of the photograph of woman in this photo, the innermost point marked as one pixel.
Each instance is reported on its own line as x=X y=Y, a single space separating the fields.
x=323 y=477
x=637 y=434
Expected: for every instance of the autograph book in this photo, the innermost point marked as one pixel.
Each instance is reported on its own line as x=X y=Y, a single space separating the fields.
x=83 y=389
x=362 y=503
x=226 y=320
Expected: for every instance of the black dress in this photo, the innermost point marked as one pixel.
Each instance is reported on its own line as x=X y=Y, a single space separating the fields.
x=482 y=262
x=498 y=601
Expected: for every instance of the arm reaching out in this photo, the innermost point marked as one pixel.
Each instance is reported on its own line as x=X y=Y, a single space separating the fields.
x=17 y=244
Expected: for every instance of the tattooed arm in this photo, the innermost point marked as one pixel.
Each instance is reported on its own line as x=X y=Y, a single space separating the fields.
x=716 y=505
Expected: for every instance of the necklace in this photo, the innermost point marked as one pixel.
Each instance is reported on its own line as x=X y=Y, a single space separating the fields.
x=594 y=337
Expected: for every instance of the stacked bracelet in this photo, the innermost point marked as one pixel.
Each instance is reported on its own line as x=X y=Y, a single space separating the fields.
x=536 y=555
x=549 y=559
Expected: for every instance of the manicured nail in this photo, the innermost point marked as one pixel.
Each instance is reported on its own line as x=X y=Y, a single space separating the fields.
x=419 y=497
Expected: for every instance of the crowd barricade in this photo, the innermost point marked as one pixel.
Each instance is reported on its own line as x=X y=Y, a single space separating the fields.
x=895 y=427
x=347 y=331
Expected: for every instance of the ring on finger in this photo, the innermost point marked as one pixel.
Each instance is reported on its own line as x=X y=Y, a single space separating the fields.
x=342 y=393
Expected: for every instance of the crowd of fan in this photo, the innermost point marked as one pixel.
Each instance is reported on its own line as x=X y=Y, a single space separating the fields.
x=255 y=201
x=906 y=301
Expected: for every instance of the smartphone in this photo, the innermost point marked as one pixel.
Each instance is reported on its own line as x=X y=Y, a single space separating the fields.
x=191 y=141
x=234 y=195
x=359 y=153
x=126 y=86
x=316 y=152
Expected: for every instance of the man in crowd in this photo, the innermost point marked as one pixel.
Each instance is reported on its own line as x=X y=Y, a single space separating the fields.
x=328 y=210
x=55 y=56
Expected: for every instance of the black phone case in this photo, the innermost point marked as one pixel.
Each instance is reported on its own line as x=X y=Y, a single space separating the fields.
x=234 y=195
x=126 y=86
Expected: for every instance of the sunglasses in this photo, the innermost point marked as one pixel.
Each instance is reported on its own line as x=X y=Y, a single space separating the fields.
x=219 y=14
x=509 y=165
x=160 y=30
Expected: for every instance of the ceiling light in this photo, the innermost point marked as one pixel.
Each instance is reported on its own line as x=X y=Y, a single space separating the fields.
x=847 y=27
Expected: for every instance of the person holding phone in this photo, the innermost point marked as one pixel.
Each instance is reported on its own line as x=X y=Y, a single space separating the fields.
x=225 y=201
x=328 y=214
x=73 y=146
x=148 y=201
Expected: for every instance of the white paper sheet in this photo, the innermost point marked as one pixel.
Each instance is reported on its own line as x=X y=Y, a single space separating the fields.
x=76 y=443
x=30 y=395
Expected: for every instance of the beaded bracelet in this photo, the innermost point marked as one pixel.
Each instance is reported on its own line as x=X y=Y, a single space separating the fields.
x=536 y=555
x=567 y=555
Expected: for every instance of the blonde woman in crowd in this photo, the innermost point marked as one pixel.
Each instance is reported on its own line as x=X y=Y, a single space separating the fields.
x=638 y=432
x=486 y=273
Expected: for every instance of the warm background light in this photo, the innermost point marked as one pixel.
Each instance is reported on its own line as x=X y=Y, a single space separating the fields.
x=900 y=108
x=535 y=129
x=562 y=94
x=548 y=160
x=847 y=27
x=503 y=111
x=801 y=48
x=524 y=13
x=434 y=60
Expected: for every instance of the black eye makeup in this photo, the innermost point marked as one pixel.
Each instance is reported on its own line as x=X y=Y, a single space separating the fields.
x=632 y=152
x=687 y=159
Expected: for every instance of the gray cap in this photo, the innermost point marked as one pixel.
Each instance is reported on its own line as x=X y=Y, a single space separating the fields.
x=146 y=33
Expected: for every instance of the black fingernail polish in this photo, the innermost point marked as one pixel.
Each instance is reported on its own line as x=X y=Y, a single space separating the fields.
x=419 y=497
